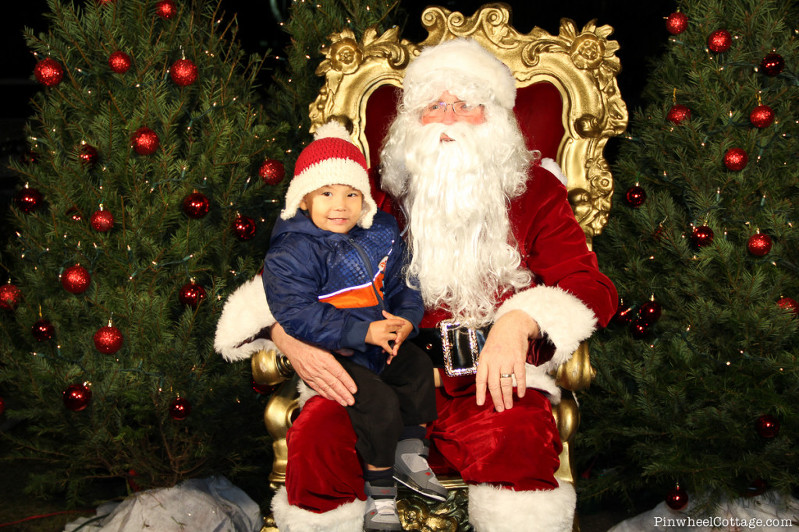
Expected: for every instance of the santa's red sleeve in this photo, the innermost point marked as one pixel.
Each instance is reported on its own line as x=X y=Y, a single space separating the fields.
x=569 y=296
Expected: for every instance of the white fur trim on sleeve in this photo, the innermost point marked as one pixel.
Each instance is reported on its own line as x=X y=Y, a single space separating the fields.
x=305 y=391
x=244 y=315
x=565 y=319
x=494 y=509
x=346 y=518
x=537 y=377
x=548 y=163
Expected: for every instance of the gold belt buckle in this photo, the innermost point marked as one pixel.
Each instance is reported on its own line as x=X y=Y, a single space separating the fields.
x=455 y=363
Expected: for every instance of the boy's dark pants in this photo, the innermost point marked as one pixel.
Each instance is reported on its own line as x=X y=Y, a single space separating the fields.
x=402 y=395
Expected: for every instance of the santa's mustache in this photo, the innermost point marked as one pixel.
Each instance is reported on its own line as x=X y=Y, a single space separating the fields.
x=431 y=135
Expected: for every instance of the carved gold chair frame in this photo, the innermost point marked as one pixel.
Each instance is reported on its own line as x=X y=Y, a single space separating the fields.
x=581 y=65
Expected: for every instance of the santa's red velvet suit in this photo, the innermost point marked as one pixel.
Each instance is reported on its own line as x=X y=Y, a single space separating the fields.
x=508 y=459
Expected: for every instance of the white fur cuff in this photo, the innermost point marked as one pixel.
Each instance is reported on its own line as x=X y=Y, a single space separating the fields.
x=346 y=518
x=244 y=315
x=565 y=319
x=538 y=378
x=503 y=510
x=551 y=165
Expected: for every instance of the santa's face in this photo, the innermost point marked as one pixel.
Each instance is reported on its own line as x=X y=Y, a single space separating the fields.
x=449 y=109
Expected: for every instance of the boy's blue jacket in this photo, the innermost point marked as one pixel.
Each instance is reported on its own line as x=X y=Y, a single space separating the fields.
x=326 y=288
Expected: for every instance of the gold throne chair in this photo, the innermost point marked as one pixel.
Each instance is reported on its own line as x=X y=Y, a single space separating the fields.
x=568 y=106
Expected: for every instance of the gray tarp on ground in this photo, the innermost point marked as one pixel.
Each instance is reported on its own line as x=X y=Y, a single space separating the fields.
x=195 y=505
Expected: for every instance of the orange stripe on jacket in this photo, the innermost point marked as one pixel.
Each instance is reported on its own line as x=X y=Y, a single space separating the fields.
x=356 y=297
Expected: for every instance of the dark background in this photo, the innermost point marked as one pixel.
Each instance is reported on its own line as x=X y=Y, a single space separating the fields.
x=639 y=29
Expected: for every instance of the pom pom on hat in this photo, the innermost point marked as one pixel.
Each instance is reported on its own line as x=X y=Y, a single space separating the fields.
x=331 y=159
x=462 y=67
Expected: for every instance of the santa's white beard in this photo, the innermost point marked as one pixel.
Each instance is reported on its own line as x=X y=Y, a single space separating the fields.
x=455 y=195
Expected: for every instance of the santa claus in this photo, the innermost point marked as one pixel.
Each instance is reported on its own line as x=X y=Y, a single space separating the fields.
x=503 y=268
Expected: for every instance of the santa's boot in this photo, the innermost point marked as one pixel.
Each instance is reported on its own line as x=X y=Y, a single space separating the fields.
x=493 y=509
x=348 y=517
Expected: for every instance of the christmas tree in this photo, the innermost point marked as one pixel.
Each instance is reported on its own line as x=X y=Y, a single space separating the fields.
x=153 y=176
x=309 y=28
x=697 y=392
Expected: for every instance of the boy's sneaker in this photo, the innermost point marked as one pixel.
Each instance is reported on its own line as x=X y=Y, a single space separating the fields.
x=411 y=468
x=381 y=513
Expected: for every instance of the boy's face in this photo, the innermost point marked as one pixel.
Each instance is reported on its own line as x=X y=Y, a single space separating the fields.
x=334 y=208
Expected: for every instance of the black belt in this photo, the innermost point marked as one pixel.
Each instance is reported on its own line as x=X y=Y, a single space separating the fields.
x=454 y=348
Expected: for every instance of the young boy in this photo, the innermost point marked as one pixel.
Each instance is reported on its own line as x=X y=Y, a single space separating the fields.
x=334 y=277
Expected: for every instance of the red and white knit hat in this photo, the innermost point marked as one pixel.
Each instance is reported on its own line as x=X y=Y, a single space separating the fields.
x=331 y=159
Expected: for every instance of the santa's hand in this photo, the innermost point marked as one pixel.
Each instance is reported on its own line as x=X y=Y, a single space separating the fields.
x=502 y=359
x=318 y=368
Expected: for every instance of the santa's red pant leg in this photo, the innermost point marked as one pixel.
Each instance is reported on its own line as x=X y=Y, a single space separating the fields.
x=508 y=459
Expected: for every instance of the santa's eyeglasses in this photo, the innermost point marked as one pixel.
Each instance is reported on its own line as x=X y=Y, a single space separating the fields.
x=460 y=108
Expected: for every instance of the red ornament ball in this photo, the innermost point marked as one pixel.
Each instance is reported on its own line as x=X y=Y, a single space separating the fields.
x=676 y=23
x=719 y=41
x=272 y=172
x=678 y=113
x=762 y=116
x=2 y=406
x=9 y=296
x=767 y=426
x=134 y=486
x=736 y=159
x=192 y=294
x=759 y=244
x=76 y=397
x=244 y=227
x=624 y=313
x=772 y=64
x=102 y=220
x=120 y=62
x=88 y=155
x=702 y=236
x=166 y=9
x=76 y=279
x=639 y=328
x=650 y=311
x=28 y=200
x=108 y=340
x=677 y=498
x=183 y=72
x=145 y=141
x=196 y=205
x=784 y=302
x=179 y=409
x=635 y=196
x=48 y=72
x=43 y=330
x=262 y=389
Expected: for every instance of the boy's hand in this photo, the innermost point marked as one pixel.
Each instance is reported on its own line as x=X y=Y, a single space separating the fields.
x=393 y=328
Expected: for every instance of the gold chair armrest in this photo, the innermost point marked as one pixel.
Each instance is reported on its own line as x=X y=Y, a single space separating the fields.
x=577 y=373
x=270 y=367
